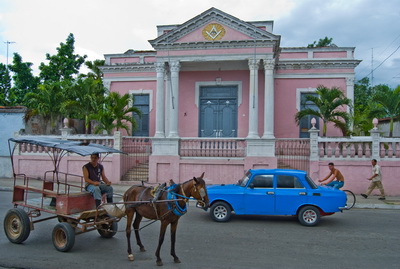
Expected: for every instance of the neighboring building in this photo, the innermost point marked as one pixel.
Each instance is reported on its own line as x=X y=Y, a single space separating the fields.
x=11 y=121
x=384 y=127
x=216 y=76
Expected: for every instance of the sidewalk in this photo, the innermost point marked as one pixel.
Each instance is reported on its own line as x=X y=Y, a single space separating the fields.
x=391 y=202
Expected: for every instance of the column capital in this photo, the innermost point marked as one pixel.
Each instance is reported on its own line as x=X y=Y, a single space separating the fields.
x=350 y=81
x=254 y=64
x=160 y=67
x=269 y=64
x=175 y=66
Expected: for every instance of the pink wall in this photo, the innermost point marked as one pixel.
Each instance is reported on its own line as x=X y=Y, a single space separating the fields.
x=356 y=173
x=217 y=171
x=293 y=55
x=124 y=87
x=36 y=165
x=330 y=54
x=285 y=104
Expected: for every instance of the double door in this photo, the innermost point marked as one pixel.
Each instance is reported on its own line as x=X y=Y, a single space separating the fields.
x=218 y=112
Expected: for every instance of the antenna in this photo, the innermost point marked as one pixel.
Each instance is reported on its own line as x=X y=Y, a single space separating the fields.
x=8 y=43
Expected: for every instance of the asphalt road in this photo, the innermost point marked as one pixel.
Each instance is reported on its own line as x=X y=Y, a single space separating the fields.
x=359 y=238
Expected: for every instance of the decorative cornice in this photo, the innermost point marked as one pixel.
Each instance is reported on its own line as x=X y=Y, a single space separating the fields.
x=229 y=44
x=317 y=64
x=117 y=68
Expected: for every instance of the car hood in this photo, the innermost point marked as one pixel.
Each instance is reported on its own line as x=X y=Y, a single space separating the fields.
x=222 y=187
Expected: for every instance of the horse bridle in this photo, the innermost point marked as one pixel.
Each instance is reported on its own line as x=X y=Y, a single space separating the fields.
x=202 y=194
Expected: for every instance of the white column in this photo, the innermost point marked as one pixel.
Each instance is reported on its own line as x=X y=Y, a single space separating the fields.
x=269 y=65
x=160 y=105
x=350 y=94
x=173 y=121
x=167 y=100
x=253 y=99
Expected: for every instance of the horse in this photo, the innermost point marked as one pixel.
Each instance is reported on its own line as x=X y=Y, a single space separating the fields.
x=168 y=212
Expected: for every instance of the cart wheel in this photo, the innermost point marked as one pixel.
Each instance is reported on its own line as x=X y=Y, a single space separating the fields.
x=108 y=230
x=63 y=236
x=17 y=225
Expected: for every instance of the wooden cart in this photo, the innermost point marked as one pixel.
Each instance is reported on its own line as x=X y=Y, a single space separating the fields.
x=56 y=195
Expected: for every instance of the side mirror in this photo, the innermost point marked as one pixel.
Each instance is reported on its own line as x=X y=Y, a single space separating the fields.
x=251 y=185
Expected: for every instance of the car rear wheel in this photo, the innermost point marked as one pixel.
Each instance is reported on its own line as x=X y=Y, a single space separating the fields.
x=220 y=212
x=309 y=216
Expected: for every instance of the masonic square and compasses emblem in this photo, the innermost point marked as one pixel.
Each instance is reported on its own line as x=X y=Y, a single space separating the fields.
x=213 y=31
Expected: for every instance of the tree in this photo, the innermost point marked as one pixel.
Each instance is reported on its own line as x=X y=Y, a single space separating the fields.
x=63 y=65
x=363 y=93
x=322 y=42
x=328 y=101
x=95 y=71
x=46 y=102
x=5 y=85
x=116 y=112
x=24 y=81
x=388 y=101
x=84 y=98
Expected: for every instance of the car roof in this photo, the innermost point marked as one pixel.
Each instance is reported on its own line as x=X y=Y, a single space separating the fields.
x=277 y=171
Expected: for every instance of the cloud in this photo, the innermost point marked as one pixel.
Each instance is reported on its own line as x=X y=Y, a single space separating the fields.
x=105 y=27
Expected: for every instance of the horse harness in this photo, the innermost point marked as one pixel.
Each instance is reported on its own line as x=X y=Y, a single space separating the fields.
x=172 y=194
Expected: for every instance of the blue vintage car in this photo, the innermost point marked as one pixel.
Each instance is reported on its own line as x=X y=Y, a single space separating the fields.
x=275 y=192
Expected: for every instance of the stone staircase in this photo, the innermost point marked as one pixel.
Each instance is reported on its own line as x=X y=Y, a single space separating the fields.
x=137 y=173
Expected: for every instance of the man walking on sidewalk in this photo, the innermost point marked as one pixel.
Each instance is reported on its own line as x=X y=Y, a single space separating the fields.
x=375 y=181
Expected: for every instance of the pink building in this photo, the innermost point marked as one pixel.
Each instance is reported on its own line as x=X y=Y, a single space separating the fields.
x=217 y=92
x=219 y=95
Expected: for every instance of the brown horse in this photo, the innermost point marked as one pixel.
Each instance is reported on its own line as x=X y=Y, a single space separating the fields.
x=166 y=212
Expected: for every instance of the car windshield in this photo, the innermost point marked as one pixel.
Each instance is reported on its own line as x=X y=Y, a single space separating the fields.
x=311 y=183
x=243 y=181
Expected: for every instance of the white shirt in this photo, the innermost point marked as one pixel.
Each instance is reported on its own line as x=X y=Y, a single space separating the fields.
x=376 y=170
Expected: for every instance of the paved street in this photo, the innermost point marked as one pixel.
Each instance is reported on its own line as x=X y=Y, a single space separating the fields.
x=360 y=238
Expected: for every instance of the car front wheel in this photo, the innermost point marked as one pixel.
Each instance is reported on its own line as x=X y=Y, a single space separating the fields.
x=309 y=216
x=220 y=212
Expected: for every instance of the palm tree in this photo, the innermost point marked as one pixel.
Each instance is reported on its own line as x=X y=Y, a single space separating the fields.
x=46 y=102
x=95 y=71
x=388 y=101
x=328 y=101
x=86 y=97
x=116 y=112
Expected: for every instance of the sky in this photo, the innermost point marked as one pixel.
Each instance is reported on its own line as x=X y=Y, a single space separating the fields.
x=105 y=27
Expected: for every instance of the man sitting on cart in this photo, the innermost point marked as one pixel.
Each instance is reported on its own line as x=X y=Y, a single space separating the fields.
x=96 y=181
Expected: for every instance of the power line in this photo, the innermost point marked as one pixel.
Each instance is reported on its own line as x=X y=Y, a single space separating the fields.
x=384 y=61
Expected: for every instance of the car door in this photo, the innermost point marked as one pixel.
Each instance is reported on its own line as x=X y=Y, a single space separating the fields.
x=290 y=194
x=259 y=197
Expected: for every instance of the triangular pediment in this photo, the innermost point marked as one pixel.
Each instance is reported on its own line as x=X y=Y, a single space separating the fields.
x=213 y=26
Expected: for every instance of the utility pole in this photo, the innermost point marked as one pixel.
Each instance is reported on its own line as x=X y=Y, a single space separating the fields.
x=372 y=67
x=8 y=43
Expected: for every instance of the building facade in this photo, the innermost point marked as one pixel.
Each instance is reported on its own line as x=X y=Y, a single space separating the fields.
x=216 y=80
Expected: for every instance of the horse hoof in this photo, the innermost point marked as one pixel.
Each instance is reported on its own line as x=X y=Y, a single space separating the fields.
x=131 y=257
x=177 y=261
x=159 y=263
x=142 y=250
